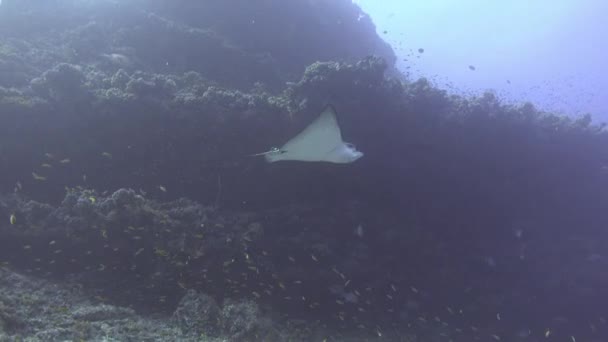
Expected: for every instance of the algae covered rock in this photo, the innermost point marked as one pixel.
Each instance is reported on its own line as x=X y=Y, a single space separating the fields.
x=101 y=312
x=63 y=83
x=197 y=314
x=16 y=102
x=243 y=321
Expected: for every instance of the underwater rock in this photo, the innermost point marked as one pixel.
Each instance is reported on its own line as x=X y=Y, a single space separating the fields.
x=64 y=83
x=184 y=98
x=197 y=314
x=236 y=101
x=120 y=79
x=206 y=45
x=38 y=310
x=88 y=40
x=9 y=321
x=11 y=74
x=16 y=102
x=102 y=312
x=243 y=321
x=338 y=83
x=315 y=31
x=367 y=72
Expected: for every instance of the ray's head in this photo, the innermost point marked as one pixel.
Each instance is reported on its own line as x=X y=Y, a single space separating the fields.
x=275 y=155
x=344 y=154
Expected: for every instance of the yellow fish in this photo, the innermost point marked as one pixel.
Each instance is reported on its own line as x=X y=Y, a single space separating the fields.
x=13 y=219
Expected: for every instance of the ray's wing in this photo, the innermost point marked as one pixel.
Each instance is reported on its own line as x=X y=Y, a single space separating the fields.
x=315 y=141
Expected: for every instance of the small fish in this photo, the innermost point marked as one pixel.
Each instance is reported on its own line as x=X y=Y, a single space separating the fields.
x=490 y=261
x=421 y=50
x=359 y=231
x=13 y=219
x=106 y=155
x=518 y=233
x=162 y=188
x=49 y=156
x=161 y=252
x=472 y=67
x=65 y=161
x=38 y=177
x=48 y=166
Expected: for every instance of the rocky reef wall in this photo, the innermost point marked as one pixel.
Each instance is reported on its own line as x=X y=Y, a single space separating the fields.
x=126 y=130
